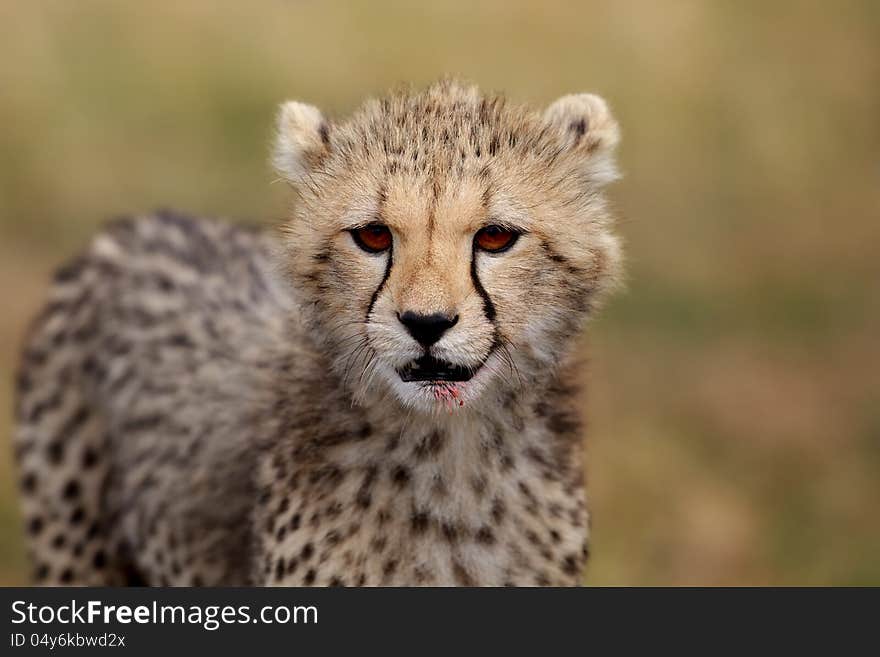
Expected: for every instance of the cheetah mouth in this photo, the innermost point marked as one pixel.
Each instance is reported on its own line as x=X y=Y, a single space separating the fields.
x=428 y=368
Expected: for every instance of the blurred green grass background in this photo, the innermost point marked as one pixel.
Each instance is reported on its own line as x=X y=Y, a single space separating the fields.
x=734 y=397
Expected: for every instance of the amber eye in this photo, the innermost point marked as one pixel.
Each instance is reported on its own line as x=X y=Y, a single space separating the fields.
x=495 y=239
x=372 y=238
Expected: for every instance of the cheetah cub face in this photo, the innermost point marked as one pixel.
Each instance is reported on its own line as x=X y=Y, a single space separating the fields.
x=447 y=245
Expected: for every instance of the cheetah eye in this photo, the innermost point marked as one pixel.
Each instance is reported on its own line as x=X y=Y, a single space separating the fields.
x=495 y=239
x=372 y=238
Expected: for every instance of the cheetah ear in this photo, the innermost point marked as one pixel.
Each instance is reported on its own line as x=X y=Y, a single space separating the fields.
x=302 y=140
x=585 y=125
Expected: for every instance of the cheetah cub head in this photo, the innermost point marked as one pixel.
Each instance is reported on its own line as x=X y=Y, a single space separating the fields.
x=447 y=246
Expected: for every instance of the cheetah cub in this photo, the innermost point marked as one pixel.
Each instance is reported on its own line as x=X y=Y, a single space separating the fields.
x=380 y=393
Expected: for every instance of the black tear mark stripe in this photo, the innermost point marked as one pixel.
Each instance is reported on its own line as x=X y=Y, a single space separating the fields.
x=382 y=198
x=378 y=290
x=488 y=306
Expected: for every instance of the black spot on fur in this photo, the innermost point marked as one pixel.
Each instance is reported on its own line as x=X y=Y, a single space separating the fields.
x=430 y=445
x=462 y=576
x=35 y=526
x=23 y=383
x=70 y=271
x=400 y=476
x=29 y=482
x=552 y=254
x=75 y=422
x=324 y=133
x=485 y=536
x=181 y=340
x=450 y=532
x=499 y=509
x=89 y=458
x=364 y=498
x=419 y=522
x=55 y=452
x=71 y=490
x=393 y=443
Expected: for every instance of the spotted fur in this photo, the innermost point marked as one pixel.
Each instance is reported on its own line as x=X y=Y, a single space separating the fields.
x=206 y=404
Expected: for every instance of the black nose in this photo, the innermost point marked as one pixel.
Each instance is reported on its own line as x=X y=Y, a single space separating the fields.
x=426 y=329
